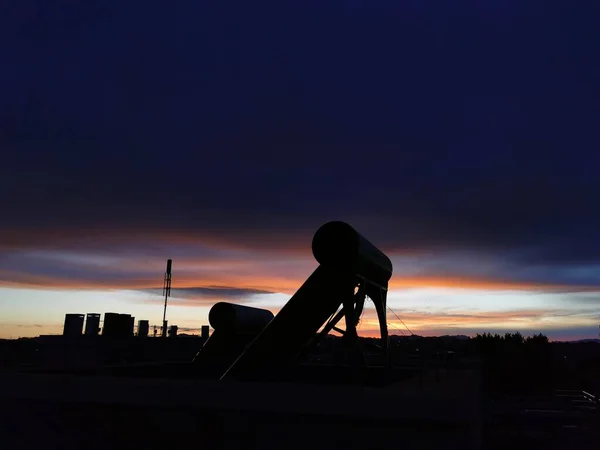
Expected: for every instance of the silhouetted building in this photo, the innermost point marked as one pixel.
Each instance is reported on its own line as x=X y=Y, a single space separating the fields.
x=73 y=324
x=130 y=325
x=118 y=325
x=143 y=328
x=173 y=330
x=92 y=324
x=111 y=324
x=205 y=331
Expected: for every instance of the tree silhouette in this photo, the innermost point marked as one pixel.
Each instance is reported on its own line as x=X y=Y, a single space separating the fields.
x=514 y=338
x=488 y=344
x=537 y=340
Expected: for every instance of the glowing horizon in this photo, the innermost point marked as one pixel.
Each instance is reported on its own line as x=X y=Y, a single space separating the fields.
x=419 y=308
x=448 y=292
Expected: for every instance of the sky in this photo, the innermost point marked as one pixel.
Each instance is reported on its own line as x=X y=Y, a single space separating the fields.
x=459 y=137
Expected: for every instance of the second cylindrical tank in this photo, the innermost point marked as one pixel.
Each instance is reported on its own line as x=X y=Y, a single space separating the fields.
x=230 y=316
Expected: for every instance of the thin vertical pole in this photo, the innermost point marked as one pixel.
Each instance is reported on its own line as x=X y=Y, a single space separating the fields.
x=167 y=292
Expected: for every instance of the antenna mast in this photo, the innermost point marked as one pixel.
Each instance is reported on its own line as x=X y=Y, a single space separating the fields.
x=167 y=294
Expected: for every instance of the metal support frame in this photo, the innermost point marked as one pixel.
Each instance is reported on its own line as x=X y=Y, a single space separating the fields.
x=351 y=310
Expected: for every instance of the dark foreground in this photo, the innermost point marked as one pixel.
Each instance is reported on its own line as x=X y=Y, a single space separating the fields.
x=90 y=394
x=437 y=411
x=65 y=412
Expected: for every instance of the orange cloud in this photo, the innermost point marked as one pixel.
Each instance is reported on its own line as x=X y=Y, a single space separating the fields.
x=399 y=282
x=267 y=260
x=522 y=319
x=283 y=242
x=254 y=275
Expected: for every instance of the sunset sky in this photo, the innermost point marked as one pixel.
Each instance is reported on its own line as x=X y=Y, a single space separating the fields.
x=461 y=138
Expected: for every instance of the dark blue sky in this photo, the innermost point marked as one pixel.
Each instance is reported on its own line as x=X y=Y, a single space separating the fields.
x=436 y=126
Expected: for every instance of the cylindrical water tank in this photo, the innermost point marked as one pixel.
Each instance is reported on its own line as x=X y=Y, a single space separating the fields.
x=339 y=246
x=232 y=317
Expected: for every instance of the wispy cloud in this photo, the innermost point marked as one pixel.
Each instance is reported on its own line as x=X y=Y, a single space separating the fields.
x=207 y=295
x=275 y=273
x=518 y=319
x=213 y=291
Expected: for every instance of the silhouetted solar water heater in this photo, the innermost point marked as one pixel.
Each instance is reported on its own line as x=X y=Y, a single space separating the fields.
x=235 y=326
x=347 y=260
